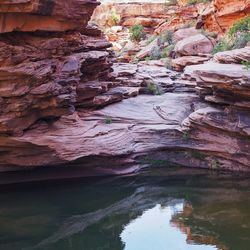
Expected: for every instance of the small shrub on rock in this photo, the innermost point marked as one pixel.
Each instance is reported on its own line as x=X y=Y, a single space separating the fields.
x=166 y=37
x=114 y=19
x=241 y=40
x=155 y=53
x=137 y=32
x=246 y=65
x=237 y=37
x=222 y=45
x=167 y=51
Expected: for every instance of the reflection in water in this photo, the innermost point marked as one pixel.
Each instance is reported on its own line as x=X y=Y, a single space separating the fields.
x=160 y=211
x=153 y=230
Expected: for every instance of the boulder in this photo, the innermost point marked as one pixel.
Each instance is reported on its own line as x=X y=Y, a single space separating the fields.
x=185 y=33
x=194 y=45
x=233 y=56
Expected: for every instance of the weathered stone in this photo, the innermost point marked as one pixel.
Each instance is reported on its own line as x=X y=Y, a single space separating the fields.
x=194 y=45
x=180 y=63
x=233 y=56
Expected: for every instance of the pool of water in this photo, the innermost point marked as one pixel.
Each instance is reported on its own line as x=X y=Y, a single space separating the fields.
x=157 y=210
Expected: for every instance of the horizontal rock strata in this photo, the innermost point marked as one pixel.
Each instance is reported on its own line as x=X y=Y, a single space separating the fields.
x=54 y=85
x=222 y=14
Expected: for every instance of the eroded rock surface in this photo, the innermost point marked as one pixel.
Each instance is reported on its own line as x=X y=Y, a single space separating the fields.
x=54 y=85
x=194 y=45
x=222 y=14
x=33 y=15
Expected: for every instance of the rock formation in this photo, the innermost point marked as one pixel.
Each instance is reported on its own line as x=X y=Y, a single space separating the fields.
x=56 y=75
x=51 y=63
x=222 y=14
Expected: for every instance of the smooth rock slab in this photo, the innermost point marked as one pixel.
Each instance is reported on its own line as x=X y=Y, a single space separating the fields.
x=118 y=133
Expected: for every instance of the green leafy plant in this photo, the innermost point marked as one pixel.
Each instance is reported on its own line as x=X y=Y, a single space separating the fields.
x=190 y=2
x=137 y=32
x=243 y=25
x=150 y=39
x=246 y=65
x=185 y=136
x=215 y=164
x=155 y=53
x=209 y=33
x=166 y=36
x=108 y=120
x=241 y=40
x=153 y=88
x=222 y=45
x=166 y=51
x=237 y=37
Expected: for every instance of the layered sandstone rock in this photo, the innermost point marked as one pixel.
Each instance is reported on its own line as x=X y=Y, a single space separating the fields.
x=51 y=82
x=33 y=15
x=222 y=14
x=152 y=15
x=224 y=129
x=47 y=75
x=233 y=56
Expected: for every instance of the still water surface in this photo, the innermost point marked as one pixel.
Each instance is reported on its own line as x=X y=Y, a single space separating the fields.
x=160 y=210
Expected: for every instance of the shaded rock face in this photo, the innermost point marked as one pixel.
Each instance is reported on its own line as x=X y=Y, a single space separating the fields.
x=41 y=75
x=54 y=15
x=46 y=75
x=194 y=45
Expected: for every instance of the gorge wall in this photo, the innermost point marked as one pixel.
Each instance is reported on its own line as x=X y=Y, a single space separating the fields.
x=56 y=76
x=216 y=15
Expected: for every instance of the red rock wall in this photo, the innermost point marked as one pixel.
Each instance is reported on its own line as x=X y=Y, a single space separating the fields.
x=224 y=13
x=56 y=15
x=46 y=75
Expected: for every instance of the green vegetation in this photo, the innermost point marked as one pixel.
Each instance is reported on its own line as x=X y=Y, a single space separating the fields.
x=137 y=32
x=237 y=37
x=108 y=120
x=190 y=2
x=246 y=65
x=215 y=164
x=166 y=37
x=166 y=51
x=164 y=46
x=155 y=53
x=222 y=45
x=114 y=19
x=185 y=136
x=242 y=25
x=209 y=33
x=171 y=2
x=153 y=88
x=241 y=40
x=151 y=39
